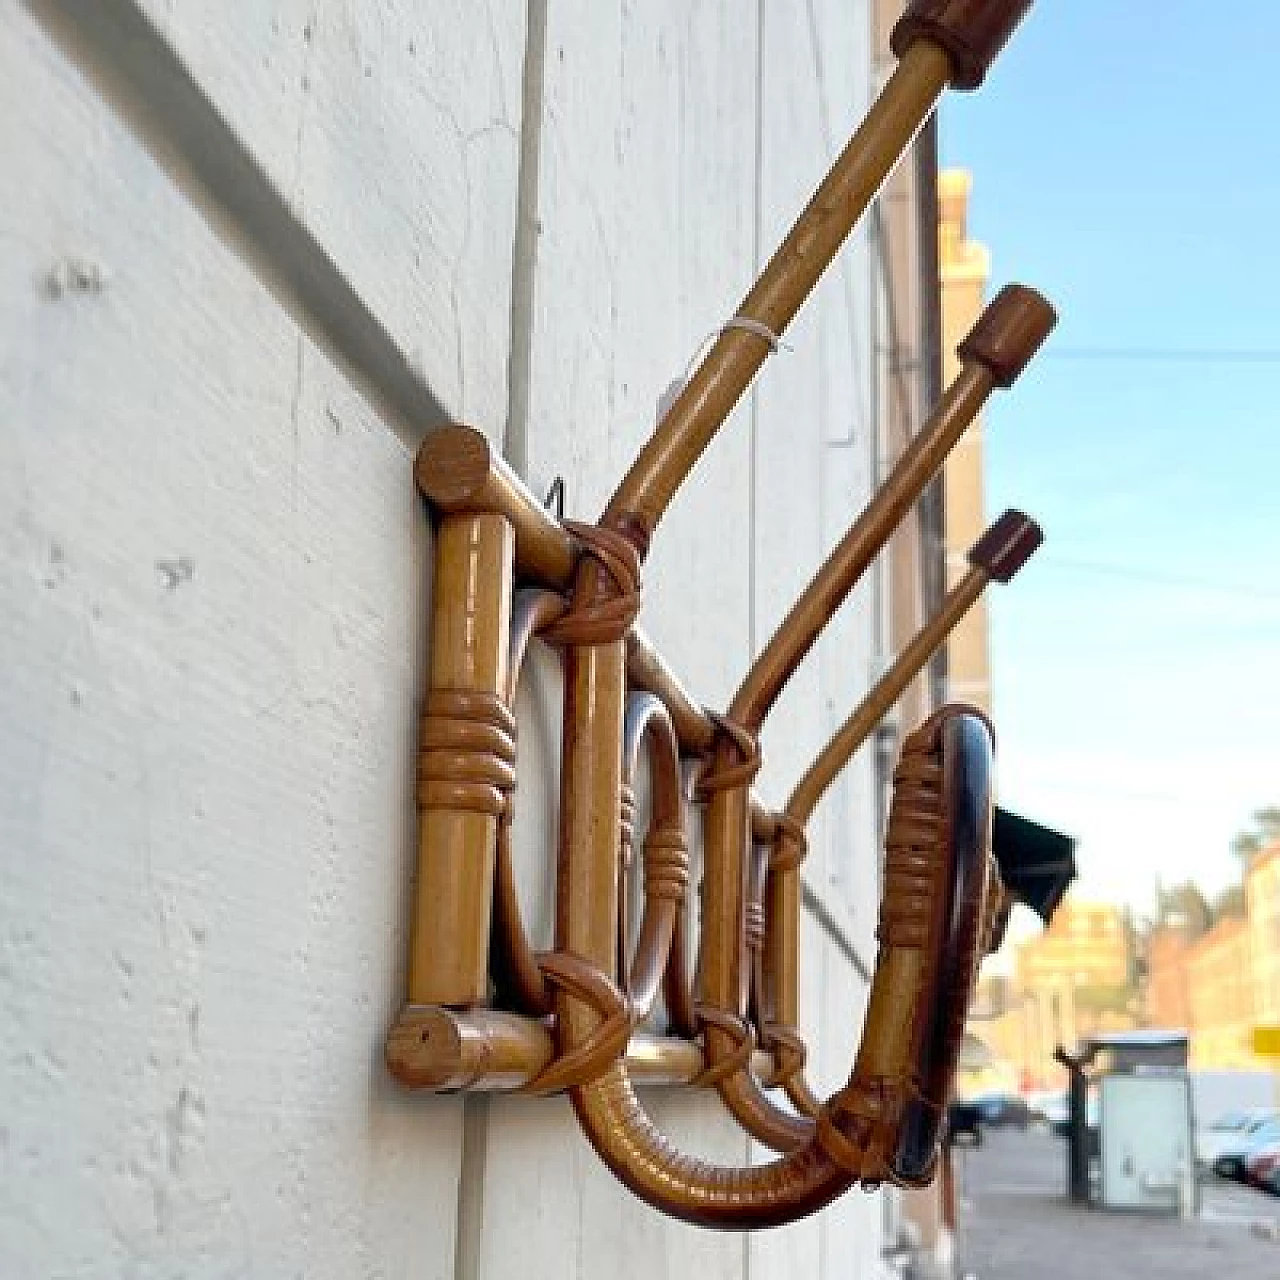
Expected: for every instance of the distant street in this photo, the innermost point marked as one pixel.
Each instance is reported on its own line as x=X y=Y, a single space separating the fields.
x=1017 y=1224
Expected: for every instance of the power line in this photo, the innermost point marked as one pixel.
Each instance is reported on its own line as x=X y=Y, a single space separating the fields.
x=1169 y=355
x=1158 y=577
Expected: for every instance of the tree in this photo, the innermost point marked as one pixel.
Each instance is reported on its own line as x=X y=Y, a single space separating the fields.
x=1245 y=844
x=1265 y=829
x=1229 y=904
x=1268 y=823
x=1183 y=907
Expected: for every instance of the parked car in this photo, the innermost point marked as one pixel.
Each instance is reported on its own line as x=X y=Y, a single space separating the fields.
x=1262 y=1168
x=1003 y=1110
x=1226 y=1133
x=1049 y=1110
x=1230 y=1161
x=964 y=1120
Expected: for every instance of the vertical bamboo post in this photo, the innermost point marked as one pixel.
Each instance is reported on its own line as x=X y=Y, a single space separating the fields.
x=590 y=799
x=465 y=760
x=722 y=975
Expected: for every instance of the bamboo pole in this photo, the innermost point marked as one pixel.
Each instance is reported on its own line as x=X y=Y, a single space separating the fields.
x=590 y=800
x=466 y=762
x=647 y=670
x=999 y=553
x=1006 y=336
x=442 y=1050
x=458 y=470
x=715 y=387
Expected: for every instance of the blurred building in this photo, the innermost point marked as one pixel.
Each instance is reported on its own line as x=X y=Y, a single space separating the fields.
x=1166 y=1002
x=964 y=266
x=1220 y=998
x=1077 y=977
x=1007 y=1021
x=1086 y=941
x=1262 y=898
x=1072 y=981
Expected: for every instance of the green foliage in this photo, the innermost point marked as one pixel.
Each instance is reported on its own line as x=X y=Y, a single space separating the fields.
x=1229 y=904
x=1183 y=906
x=1264 y=830
x=1097 y=997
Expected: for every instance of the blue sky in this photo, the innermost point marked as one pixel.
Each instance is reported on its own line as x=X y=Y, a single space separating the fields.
x=1126 y=162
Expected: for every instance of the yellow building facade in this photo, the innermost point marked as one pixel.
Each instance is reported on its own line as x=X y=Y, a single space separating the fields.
x=1262 y=894
x=964 y=266
x=1070 y=982
x=1220 y=998
x=1166 y=1001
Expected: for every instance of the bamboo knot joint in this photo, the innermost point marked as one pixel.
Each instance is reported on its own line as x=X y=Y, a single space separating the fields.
x=789 y=1052
x=791 y=846
x=738 y=1031
x=603 y=616
x=666 y=863
x=589 y=1060
x=735 y=760
x=467 y=752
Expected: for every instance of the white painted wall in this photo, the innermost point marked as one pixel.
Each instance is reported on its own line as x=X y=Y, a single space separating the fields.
x=249 y=253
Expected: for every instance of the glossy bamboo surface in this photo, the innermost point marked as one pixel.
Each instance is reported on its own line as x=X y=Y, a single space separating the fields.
x=621 y=698
x=715 y=387
x=458 y=470
x=464 y=754
x=590 y=791
x=442 y=1050
x=1004 y=339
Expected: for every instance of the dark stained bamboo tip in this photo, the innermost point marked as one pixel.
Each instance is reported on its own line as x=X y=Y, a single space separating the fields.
x=1009 y=332
x=1006 y=546
x=453 y=465
x=971 y=32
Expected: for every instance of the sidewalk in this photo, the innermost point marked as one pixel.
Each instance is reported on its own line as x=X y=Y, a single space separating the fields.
x=1016 y=1224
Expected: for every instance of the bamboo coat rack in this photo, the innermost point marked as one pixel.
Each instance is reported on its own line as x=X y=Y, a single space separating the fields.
x=484 y=1011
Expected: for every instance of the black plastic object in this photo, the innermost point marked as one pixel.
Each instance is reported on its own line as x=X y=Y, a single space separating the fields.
x=1037 y=864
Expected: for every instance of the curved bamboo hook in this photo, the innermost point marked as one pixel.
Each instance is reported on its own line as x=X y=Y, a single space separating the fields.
x=1003 y=341
x=884 y=1124
x=998 y=555
x=512 y=961
x=938 y=43
x=666 y=849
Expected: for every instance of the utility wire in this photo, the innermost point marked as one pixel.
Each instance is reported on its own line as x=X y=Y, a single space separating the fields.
x=1169 y=355
x=1157 y=577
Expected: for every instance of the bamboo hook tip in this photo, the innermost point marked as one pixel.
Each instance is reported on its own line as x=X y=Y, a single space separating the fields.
x=1009 y=332
x=970 y=32
x=1006 y=546
x=453 y=465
